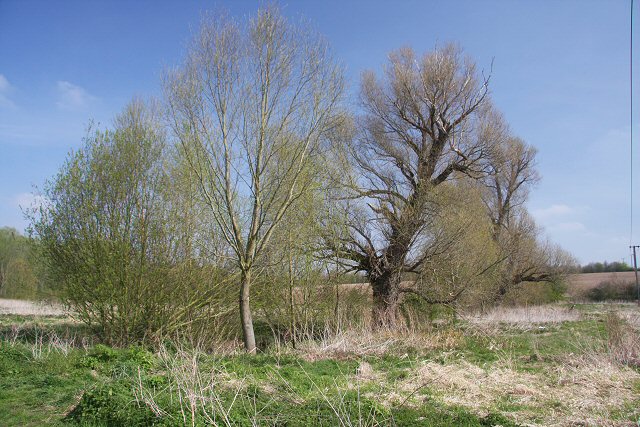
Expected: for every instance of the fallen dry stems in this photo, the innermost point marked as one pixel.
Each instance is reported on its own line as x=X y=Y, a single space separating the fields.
x=623 y=341
x=357 y=342
x=43 y=341
x=562 y=394
x=524 y=317
x=30 y=308
x=197 y=391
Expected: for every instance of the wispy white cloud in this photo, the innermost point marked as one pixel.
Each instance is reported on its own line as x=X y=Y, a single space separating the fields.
x=5 y=89
x=553 y=211
x=569 y=226
x=72 y=97
x=562 y=219
x=4 y=83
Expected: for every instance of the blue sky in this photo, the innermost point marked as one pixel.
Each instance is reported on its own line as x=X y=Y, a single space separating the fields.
x=560 y=76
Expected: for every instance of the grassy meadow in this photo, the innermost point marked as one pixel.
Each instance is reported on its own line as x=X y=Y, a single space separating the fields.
x=548 y=365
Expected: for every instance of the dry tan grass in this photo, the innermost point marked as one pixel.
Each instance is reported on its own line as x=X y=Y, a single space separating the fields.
x=365 y=372
x=197 y=390
x=45 y=341
x=589 y=387
x=623 y=340
x=631 y=314
x=525 y=316
x=568 y=394
x=356 y=342
x=30 y=308
x=593 y=389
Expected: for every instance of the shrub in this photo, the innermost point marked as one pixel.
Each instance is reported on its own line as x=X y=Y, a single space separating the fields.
x=111 y=404
x=535 y=293
x=617 y=290
x=112 y=236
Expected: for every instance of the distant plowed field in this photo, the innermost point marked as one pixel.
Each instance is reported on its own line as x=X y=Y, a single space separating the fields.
x=580 y=284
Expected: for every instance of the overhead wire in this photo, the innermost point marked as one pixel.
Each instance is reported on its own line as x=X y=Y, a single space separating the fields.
x=631 y=123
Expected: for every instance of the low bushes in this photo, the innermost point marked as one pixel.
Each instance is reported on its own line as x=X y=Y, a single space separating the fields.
x=612 y=290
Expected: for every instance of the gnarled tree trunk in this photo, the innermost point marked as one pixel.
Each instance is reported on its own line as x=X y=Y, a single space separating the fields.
x=386 y=299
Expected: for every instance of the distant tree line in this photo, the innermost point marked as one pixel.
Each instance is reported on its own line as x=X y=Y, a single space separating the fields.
x=252 y=193
x=18 y=273
x=605 y=267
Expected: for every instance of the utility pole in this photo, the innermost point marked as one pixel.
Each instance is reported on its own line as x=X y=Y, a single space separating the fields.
x=635 y=269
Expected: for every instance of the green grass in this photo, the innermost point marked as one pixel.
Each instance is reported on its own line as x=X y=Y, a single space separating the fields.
x=99 y=386
x=530 y=350
x=96 y=388
x=36 y=392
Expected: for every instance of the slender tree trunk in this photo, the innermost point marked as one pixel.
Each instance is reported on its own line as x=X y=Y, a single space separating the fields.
x=386 y=299
x=246 y=320
x=336 y=308
x=292 y=313
x=2 y=277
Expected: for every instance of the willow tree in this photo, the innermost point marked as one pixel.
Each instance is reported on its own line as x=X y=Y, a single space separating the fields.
x=425 y=121
x=100 y=233
x=250 y=108
x=523 y=257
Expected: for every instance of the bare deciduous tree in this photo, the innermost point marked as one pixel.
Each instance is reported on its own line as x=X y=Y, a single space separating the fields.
x=428 y=120
x=251 y=107
x=512 y=174
x=523 y=257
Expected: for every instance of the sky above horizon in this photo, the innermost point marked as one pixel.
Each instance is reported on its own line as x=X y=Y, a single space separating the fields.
x=560 y=76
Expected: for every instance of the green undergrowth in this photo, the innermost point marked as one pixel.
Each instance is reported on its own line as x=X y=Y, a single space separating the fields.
x=96 y=385
x=268 y=390
x=38 y=391
x=531 y=349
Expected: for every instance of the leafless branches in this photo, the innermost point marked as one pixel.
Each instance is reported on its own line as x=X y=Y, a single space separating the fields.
x=251 y=109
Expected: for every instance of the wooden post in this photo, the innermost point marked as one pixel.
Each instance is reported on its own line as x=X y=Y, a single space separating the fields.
x=635 y=269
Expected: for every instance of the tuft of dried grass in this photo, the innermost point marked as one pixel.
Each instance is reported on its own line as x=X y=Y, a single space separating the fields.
x=524 y=317
x=30 y=308
x=197 y=390
x=572 y=392
x=632 y=317
x=43 y=341
x=623 y=341
x=358 y=342
x=365 y=372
